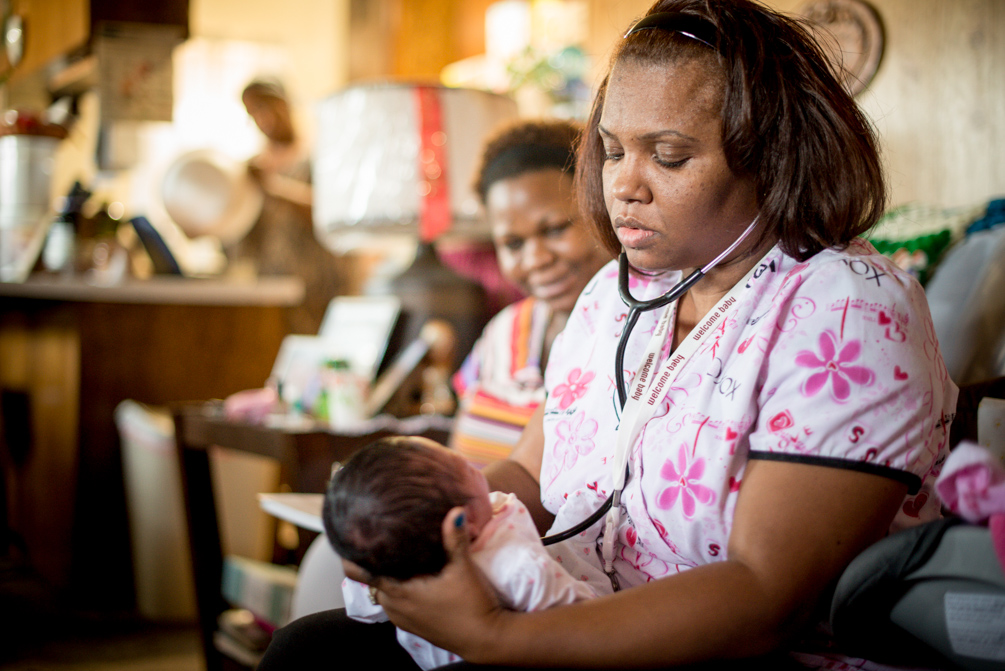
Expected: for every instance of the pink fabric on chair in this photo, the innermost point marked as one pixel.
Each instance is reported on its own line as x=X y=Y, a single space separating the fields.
x=997 y=526
x=251 y=405
x=972 y=483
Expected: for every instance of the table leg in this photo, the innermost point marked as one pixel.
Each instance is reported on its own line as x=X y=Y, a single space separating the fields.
x=204 y=539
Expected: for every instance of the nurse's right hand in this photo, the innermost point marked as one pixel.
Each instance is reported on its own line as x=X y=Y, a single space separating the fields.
x=456 y=610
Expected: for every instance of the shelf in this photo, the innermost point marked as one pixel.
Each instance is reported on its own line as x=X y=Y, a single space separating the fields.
x=265 y=291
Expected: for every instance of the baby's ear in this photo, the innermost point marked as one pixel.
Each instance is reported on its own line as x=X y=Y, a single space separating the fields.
x=472 y=524
x=456 y=534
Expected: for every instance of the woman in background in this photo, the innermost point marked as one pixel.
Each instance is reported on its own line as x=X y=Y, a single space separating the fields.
x=546 y=249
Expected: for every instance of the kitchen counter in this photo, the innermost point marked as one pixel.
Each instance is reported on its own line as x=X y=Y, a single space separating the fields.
x=276 y=291
x=70 y=352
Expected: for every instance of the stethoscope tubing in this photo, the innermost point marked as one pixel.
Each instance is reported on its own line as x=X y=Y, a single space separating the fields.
x=635 y=308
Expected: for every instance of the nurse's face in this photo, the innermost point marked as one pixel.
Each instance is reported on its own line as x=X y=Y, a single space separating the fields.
x=673 y=200
x=541 y=243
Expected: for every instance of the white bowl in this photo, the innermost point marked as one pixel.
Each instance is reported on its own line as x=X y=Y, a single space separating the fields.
x=208 y=193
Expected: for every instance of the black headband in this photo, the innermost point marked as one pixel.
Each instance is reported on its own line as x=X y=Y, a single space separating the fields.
x=522 y=158
x=688 y=25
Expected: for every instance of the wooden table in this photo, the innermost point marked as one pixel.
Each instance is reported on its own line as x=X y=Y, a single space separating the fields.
x=305 y=453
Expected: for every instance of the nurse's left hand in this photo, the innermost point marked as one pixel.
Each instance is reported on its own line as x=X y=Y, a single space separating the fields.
x=456 y=610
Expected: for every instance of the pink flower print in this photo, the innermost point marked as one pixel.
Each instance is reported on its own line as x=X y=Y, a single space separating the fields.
x=650 y=566
x=573 y=388
x=780 y=422
x=685 y=486
x=661 y=530
x=834 y=368
x=575 y=437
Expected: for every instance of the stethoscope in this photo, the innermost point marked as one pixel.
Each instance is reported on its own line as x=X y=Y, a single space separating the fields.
x=635 y=309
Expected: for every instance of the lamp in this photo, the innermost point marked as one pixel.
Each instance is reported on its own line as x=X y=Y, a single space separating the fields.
x=394 y=163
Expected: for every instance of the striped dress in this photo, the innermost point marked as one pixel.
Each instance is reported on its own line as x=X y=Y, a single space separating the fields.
x=501 y=382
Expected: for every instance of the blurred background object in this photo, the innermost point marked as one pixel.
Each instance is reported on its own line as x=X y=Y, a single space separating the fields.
x=207 y=193
x=393 y=168
x=396 y=160
x=28 y=145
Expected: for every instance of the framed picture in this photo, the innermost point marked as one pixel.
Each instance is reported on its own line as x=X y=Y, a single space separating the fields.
x=359 y=328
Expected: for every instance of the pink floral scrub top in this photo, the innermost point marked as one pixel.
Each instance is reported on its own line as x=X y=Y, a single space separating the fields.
x=832 y=361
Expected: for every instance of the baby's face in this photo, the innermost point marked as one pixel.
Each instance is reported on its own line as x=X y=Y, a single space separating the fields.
x=478 y=509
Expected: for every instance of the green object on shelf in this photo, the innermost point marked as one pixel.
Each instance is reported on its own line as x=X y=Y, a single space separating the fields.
x=918 y=255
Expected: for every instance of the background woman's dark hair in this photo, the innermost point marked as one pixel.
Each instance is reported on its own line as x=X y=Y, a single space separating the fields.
x=786 y=122
x=525 y=146
x=383 y=510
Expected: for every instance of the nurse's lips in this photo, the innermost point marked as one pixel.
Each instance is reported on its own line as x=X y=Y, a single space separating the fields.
x=631 y=233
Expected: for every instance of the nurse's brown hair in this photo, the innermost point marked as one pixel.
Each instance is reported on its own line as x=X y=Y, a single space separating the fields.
x=787 y=123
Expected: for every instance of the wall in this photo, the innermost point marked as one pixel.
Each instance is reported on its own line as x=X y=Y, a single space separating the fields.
x=313 y=32
x=412 y=39
x=938 y=99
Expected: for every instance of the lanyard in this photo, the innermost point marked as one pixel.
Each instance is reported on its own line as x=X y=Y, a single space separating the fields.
x=648 y=388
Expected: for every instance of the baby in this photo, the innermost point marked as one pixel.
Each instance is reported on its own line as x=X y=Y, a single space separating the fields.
x=384 y=511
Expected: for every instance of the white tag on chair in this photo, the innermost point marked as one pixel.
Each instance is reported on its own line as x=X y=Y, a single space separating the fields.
x=991 y=426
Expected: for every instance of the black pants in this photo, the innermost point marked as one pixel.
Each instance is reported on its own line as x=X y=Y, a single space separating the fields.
x=330 y=639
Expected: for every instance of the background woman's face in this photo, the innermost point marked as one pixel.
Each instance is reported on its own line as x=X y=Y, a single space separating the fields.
x=541 y=244
x=672 y=198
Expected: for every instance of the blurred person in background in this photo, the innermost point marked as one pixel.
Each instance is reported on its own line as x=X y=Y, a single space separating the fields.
x=282 y=241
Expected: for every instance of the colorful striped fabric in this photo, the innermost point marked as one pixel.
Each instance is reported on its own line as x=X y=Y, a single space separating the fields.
x=501 y=382
x=487 y=429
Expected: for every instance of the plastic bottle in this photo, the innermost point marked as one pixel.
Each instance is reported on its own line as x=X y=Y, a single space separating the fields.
x=346 y=394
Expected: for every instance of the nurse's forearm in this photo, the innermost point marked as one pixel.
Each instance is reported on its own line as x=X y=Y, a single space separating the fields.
x=795 y=528
x=713 y=612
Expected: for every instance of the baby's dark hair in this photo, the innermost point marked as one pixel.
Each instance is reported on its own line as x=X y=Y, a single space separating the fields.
x=384 y=508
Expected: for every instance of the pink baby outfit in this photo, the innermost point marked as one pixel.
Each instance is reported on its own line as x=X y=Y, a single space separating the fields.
x=510 y=554
x=833 y=361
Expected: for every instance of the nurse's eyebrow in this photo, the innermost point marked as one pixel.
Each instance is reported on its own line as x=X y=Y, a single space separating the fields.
x=652 y=135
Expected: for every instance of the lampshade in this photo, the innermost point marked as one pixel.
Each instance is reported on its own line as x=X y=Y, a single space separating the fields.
x=399 y=159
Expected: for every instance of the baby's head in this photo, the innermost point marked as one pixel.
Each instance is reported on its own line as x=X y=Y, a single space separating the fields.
x=384 y=508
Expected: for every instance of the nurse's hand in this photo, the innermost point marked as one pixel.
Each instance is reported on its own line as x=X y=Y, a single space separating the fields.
x=456 y=610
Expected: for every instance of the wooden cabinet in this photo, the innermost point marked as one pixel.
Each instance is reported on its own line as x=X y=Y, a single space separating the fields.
x=52 y=28
x=69 y=353
x=55 y=28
